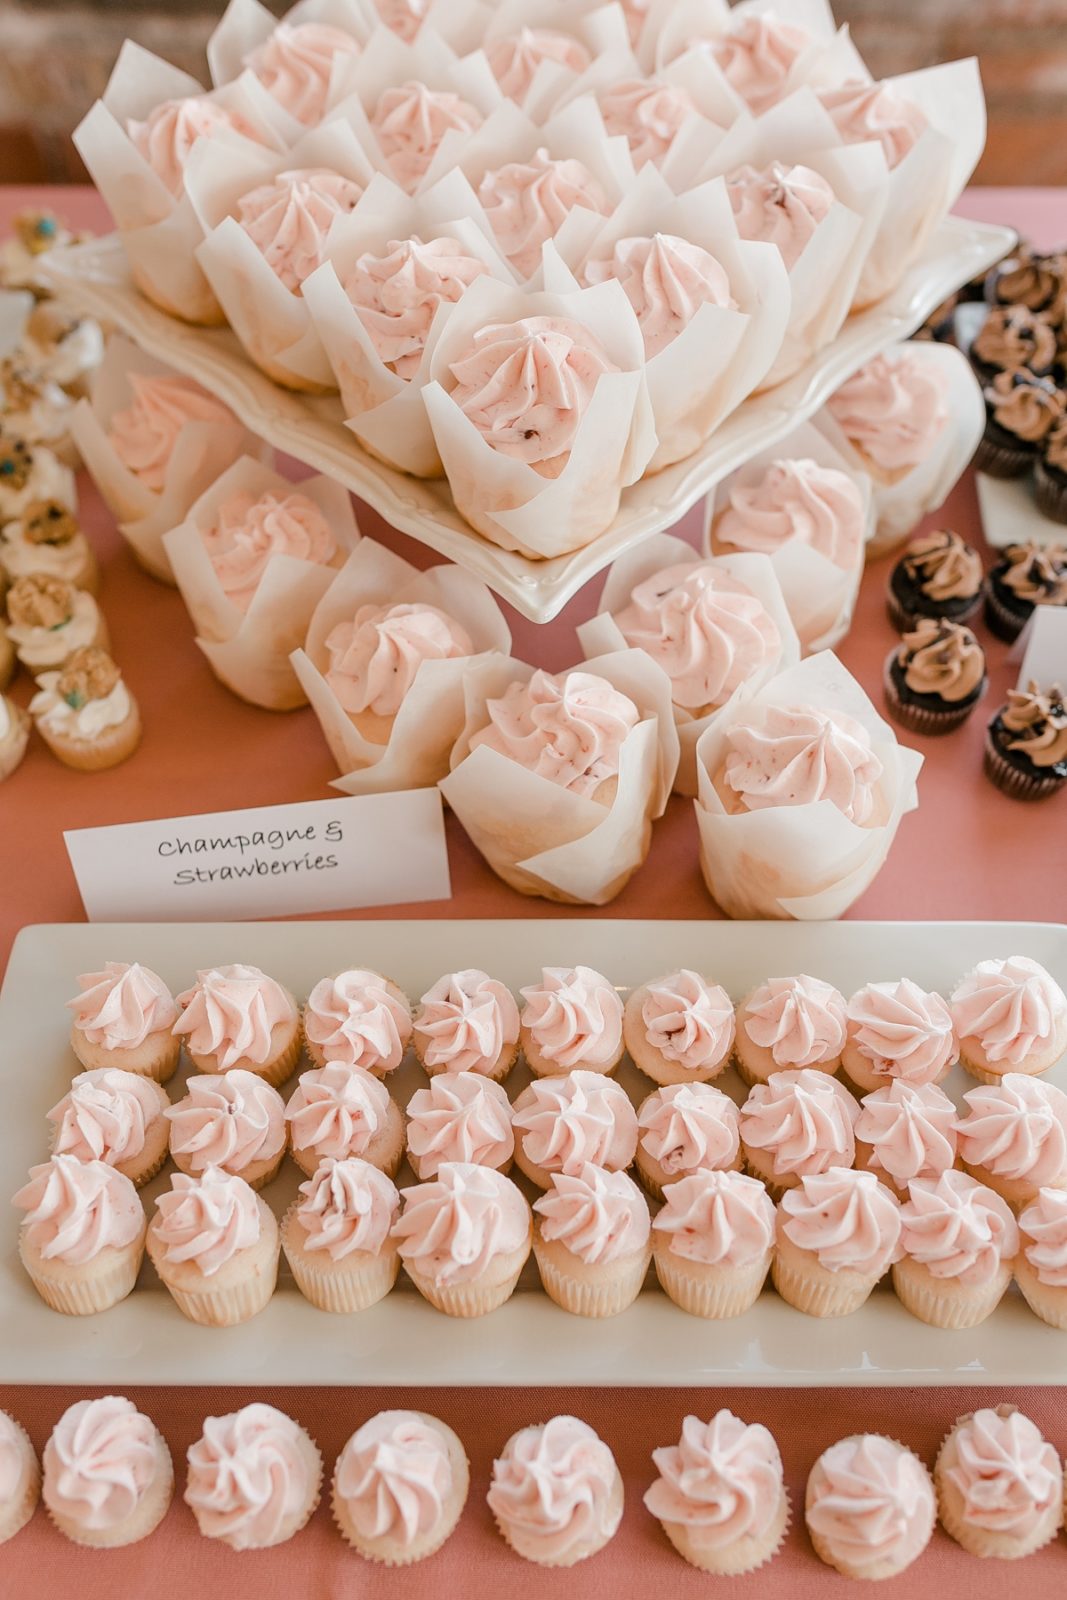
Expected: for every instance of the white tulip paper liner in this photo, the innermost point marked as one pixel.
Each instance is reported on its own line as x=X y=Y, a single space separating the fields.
x=807 y=862
x=600 y=28
x=431 y=715
x=245 y=25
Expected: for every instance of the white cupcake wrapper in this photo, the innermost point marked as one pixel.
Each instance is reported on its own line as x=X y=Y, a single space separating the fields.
x=245 y=25
x=715 y=1299
x=465 y=1300
x=101 y=1288
x=937 y=1303
x=344 y=1292
x=584 y=1298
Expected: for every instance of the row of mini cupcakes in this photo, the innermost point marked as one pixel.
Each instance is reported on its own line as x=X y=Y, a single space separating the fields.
x=401 y=1481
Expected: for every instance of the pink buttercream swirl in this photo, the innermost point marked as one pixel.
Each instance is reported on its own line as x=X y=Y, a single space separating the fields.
x=911 y=1131
x=527 y=202
x=227 y=1119
x=453 y=1228
x=804 y=1119
x=648 y=113
x=356 y=1020
x=231 y=1013
x=74 y=1209
x=516 y=58
x=1016 y=1128
x=957 y=1228
x=757 y=56
x=580 y=1117
x=568 y=727
x=402 y=17
x=410 y=121
x=574 y=1015
x=871 y=1501
x=167 y=135
x=104 y=1116
x=208 y=1219
x=689 y=1125
x=1011 y=1007
x=468 y=1020
x=1043 y=1225
x=296 y=63
x=462 y=1116
x=249 y=530
x=347 y=1206
x=249 y=1474
x=394 y=1477
x=555 y=1485
x=101 y=1457
x=688 y=1020
x=122 y=1005
x=719 y=1218
x=143 y=434
x=396 y=295
x=893 y=410
x=797 y=499
x=723 y=1481
x=797 y=755
x=667 y=280
x=800 y=1020
x=289 y=219
x=336 y=1110
x=847 y=1219
x=1007 y=1474
x=903 y=1031
x=867 y=111
x=779 y=205
x=600 y=1216
x=375 y=658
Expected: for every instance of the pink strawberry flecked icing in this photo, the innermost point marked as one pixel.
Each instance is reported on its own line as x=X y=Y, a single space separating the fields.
x=452 y=1229
x=410 y=121
x=207 y=1220
x=248 y=530
x=800 y=1020
x=600 y=1216
x=910 y=1130
x=227 y=1119
x=120 y=1006
x=143 y=434
x=296 y=63
x=780 y=205
x=667 y=280
x=462 y=1116
x=688 y=1020
x=568 y=1121
x=375 y=657
x=804 y=1120
x=251 y=1475
x=1012 y=1008
x=1043 y=1225
x=573 y=1016
x=1007 y=1474
x=527 y=202
x=99 y=1461
x=848 y=1220
x=355 y=1019
x=796 y=499
x=797 y=755
x=1017 y=1129
x=468 y=1020
x=231 y=1012
x=516 y=57
x=397 y=295
x=337 y=1110
x=957 y=1228
x=723 y=1481
x=689 y=1125
x=394 y=1478
x=893 y=410
x=555 y=1488
x=718 y=1218
x=289 y=218
x=866 y=111
x=903 y=1031
x=567 y=727
x=105 y=1116
x=871 y=1502
x=166 y=136
x=649 y=112
x=346 y=1206
x=75 y=1209
x=757 y=55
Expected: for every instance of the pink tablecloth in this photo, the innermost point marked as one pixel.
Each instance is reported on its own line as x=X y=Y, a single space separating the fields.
x=968 y=852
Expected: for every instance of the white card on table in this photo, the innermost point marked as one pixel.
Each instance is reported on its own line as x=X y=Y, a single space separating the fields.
x=1042 y=648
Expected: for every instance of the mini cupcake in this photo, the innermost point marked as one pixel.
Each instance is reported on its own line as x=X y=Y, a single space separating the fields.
x=561 y=1123
x=38 y=529
x=20 y=1478
x=720 y=1496
x=464 y=1238
x=797 y=1124
x=399 y=1487
x=460 y=1117
x=999 y=1484
x=592 y=1241
x=1041 y=1265
x=48 y=619
x=898 y=1031
x=679 y=1029
x=83 y=1235
x=123 y=1018
x=236 y=1016
x=869 y=1507
x=556 y=1494
x=232 y=1120
x=33 y=234
x=85 y=714
x=1009 y=1016
x=253 y=1478
x=336 y=1237
x=1026 y=744
x=838 y=1232
x=1050 y=475
x=713 y=1243
x=572 y=1018
x=341 y=1111
x=939 y=575
x=789 y=1022
x=116 y=1117
x=1029 y=278
x=34 y=407
x=1011 y=339
x=959 y=1240
x=467 y=1022
x=1027 y=575
x=684 y=1128
x=1021 y=411
x=1013 y=1137
x=14 y=736
x=906 y=1131
x=108 y=1476
x=357 y=1018
x=935 y=677
x=214 y=1243
x=374 y=657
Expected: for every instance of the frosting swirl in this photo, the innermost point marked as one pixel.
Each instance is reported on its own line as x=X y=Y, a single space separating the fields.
x=574 y=1017
x=100 y=1459
x=779 y=204
x=462 y=1116
x=1007 y=1475
x=1036 y=725
x=167 y=135
x=227 y=1119
x=910 y=1130
x=1035 y=572
x=867 y=111
x=689 y=1125
x=144 y=433
x=1011 y=1007
x=75 y=1209
x=1035 y=281
x=803 y=1119
x=357 y=1021
x=105 y=1116
x=667 y=280
x=717 y=1217
x=375 y=658
x=903 y=1031
x=943 y=566
x=567 y=727
x=337 y=1110
x=527 y=202
x=848 y=1220
x=468 y=1021
x=1016 y=1128
x=797 y=755
x=1043 y=1225
x=347 y=1206
x=122 y=1005
x=556 y=1486
x=396 y=295
x=687 y=1020
x=250 y=1474
x=893 y=410
x=231 y=1013
x=248 y=530
x=452 y=1229
x=296 y=63
x=1014 y=336
x=957 y=1228
x=78 y=719
x=516 y=57
x=410 y=121
x=871 y=1501
x=756 y=56
x=800 y=1020
x=600 y=1216
x=796 y=499
x=1024 y=405
x=207 y=1220
x=48 y=618
x=581 y=1117
x=289 y=219
x=648 y=113
x=723 y=1481
x=395 y=1476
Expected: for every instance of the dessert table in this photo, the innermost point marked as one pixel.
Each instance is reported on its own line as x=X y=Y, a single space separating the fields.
x=967 y=852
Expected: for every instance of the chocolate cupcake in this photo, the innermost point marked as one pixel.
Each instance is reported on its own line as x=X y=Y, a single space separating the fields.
x=1022 y=411
x=1026 y=744
x=939 y=575
x=935 y=677
x=1050 y=475
x=1013 y=339
x=1027 y=575
x=1038 y=282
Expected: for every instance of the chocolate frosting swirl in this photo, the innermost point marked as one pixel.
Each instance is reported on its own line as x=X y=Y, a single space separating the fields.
x=1015 y=337
x=1035 y=281
x=1036 y=572
x=1024 y=405
x=1038 y=723
x=944 y=566
x=942 y=658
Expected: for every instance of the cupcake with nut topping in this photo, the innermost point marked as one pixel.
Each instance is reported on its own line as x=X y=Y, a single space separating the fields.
x=49 y=618
x=1022 y=410
x=85 y=714
x=1027 y=575
x=1026 y=744
x=43 y=534
x=935 y=677
x=939 y=575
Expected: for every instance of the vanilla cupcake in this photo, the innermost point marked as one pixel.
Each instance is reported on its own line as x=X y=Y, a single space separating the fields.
x=336 y=1237
x=714 y=1242
x=556 y=1494
x=893 y=412
x=789 y=1023
x=720 y=1496
x=464 y=1238
x=297 y=61
x=231 y=1120
x=236 y=1016
x=124 y=1018
x=869 y=1507
x=253 y=1478
x=460 y=1117
x=1009 y=1016
x=906 y=1131
x=562 y=1123
x=572 y=1018
x=116 y=1117
x=837 y=1234
x=467 y=1022
x=85 y=713
x=341 y=1111
x=542 y=724
x=999 y=1484
x=358 y=1018
x=679 y=1029
x=524 y=203
x=796 y=1124
x=20 y=1478
x=14 y=736
x=215 y=1246
x=1013 y=1137
x=897 y=1030
x=399 y=1487
x=48 y=619
x=374 y=656
x=1041 y=1265
x=108 y=1476
x=959 y=1240
x=83 y=1235
x=685 y=1127
x=592 y=1241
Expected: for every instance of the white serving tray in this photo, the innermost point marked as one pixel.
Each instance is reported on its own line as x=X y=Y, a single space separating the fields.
x=312 y=429
x=530 y=1340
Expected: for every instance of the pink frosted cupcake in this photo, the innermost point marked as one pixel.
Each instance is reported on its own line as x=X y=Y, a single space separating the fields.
x=713 y=1242
x=336 y=1237
x=556 y=1494
x=780 y=205
x=236 y=1016
x=467 y=1022
x=897 y=1030
x=572 y=1018
x=1010 y=1016
x=409 y=122
x=561 y=1123
x=253 y=1478
x=247 y=530
x=789 y=1023
x=233 y=1120
x=214 y=1243
x=796 y=1124
x=526 y=202
x=342 y=1111
x=869 y=1507
x=679 y=1029
x=516 y=57
x=592 y=1241
x=464 y=1238
x=460 y=1117
x=83 y=1235
x=837 y=1234
x=399 y=1487
x=959 y=1240
x=720 y=1496
x=1041 y=1265
x=906 y=1131
x=685 y=1127
x=296 y=63
x=116 y=1117
x=999 y=1484
x=108 y=1476
x=144 y=433
x=20 y=1478
x=123 y=1018
x=1013 y=1137
x=358 y=1018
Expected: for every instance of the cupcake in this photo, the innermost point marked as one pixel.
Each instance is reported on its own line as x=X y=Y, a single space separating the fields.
x=869 y=1507
x=1028 y=278
x=399 y=1487
x=1041 y=1265
x=341 y=1111
x=464 y=1238
x=515 y=58
x=592 y=1241
x=1050 y=475
x=1013 y=339
x=789 y=1023
x=467 y=1022
x=336 y=1237
x=720 y=1496
x=906 y=1131
x=562 y=1123
x=145 y=434
x=999 y=1484
x=556 y=1494
x=42 y=534
x=1026 y=744
x=236 y=1016
x=897 y=1031
x=460 y=1117
x=1021 y=411
x=1028 y=574
x=684 y=1128
x=794 y=500
x=123 y=1018
x=959 y=1240
x=572 y=1018
x=796 y=1124
x=83 y=1235
x=648 y=113
x=679 y=1029
x=245 y=531
x=34 y=407
x=20 y=1478
x=837 y=1234
x=48 y=619
x=939 y=575
x=357 y=1018
x=396 y=295
x=231 y=1120
x=33 y=234
x=893 y=412
x=252 y=1478
x=116 y=1117
x=296 y=63
x=525 y=202
x=1013 y=1137
x=108 y=1477
x=934 y=677
x=64 y=346
x=14 y=736
x=214 y=1243
x=1009 y=1016
x=85 y=714
x=713 y=1242
x=779 y=204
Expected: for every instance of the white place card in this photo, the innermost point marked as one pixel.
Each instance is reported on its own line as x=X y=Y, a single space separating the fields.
x=269 y=861
x=1042 y=648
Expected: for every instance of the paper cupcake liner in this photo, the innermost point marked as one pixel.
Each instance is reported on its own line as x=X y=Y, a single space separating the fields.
x=160 y=1064
x=590 y=1299
x=428 y=1545
x=836 y=1295
x=988 y=1542
x=1011 y=781
x=145 y=1517
x=465 y=1299
x=1047 y=1301
x=108 y=749
x=920 y=719
x=999 y=618
x=729 y=1293
x=1050 y=492
x=1001 y=460
x=226 y=1307
x=274 y=1072
x=343 y=1289
x=140 y=1176
x=904 y=620
x=101 y=1288
x=944 y=1302
x=741 y=1555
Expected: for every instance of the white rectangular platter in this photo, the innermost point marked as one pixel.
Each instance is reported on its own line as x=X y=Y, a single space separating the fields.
x=312 y=429
x=530 y=1340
